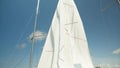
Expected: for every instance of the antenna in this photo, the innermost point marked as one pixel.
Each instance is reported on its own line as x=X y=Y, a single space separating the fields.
x=32 y=47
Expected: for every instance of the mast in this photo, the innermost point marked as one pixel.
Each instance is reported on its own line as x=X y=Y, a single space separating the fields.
x=32 y=47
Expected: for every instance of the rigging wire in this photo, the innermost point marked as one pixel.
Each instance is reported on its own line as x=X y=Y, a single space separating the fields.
x=103 y=13
x=19 y=39
x=114 y=2
x=26 y=26
x=110 y=5
x=101 y=10
x=21 y=36
x=117 y=2
x=103 y=20
x=20 y=61
x=107 y=6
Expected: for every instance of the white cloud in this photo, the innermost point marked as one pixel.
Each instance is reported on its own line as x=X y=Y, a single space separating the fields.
x=21 y=46
x=117 y=51
x=38 y=35
x=117 y=66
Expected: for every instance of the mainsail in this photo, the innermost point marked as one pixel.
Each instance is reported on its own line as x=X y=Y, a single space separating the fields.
x=66 y=44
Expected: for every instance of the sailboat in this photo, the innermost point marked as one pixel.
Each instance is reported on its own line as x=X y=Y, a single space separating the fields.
x=66 y=44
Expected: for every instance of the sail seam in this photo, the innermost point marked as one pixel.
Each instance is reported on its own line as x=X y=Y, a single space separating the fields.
x=71 y=23
x=75 y=37
x=68 y=5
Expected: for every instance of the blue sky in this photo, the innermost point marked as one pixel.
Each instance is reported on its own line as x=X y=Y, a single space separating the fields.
x=16 y=25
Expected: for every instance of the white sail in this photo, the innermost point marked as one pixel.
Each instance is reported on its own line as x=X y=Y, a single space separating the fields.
x=66 y=44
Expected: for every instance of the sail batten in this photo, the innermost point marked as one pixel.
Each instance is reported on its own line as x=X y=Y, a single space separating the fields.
x=66 y=44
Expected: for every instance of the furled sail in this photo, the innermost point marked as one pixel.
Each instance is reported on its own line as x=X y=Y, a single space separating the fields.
x=66 y=44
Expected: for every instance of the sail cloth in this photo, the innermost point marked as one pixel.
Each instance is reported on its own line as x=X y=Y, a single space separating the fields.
x=66 y=44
